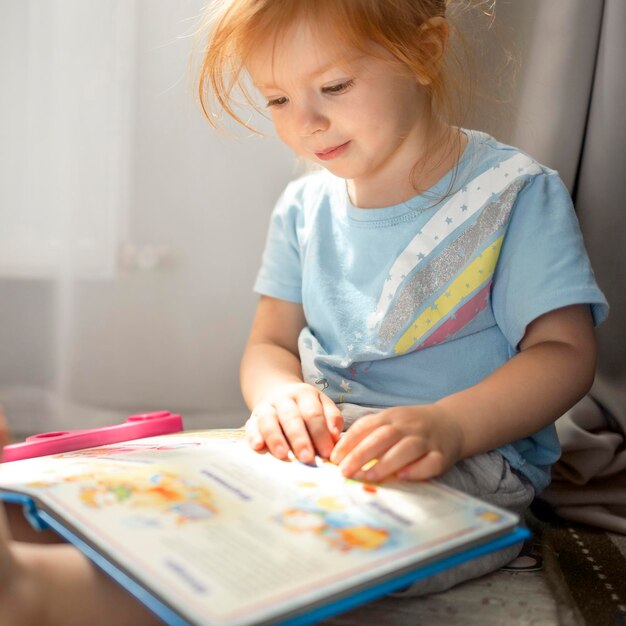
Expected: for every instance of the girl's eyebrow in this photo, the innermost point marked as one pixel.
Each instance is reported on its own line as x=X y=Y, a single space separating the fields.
x=316 y=72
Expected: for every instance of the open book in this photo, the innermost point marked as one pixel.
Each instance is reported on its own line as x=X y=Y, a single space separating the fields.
x=205 y=531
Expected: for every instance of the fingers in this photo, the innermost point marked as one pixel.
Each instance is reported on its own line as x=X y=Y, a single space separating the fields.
x=400 y=441
x=307 y=422
x=334 y=418
x=293 y=424
x=253 y=434
x=315 y=421
x=430 y=465
x=354 y=435
x=388 y=447
x=408 y=457
x=392 y=442
x=395 y=459
x=263 y=432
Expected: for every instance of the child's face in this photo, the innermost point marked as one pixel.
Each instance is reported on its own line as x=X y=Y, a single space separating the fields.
x=360 y=119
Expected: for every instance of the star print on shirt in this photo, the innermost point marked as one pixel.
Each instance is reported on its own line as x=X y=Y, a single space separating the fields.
x=345 y=385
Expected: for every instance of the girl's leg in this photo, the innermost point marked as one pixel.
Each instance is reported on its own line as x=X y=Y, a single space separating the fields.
x=56 y=584
x=21 y=530
x=489 y=477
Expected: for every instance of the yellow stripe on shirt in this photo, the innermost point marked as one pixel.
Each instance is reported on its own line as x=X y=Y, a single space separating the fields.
x=478 y=272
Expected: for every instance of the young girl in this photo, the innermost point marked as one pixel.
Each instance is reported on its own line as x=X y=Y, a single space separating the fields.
x=427 y=290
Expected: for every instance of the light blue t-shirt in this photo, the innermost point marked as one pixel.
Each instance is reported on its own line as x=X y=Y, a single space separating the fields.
x=409 y=303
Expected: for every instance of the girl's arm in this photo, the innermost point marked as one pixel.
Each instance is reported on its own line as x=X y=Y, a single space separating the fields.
x=553 y=370
x=287 y=413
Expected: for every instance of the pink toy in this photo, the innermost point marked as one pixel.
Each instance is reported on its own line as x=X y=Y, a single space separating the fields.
x=135 y=427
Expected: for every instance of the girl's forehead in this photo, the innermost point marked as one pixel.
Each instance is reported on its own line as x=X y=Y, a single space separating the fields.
x=299 y=51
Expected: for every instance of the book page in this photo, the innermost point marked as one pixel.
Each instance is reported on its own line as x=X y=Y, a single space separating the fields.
x=228 y=536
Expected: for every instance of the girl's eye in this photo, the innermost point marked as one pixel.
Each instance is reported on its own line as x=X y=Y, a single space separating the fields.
x=339 y=88
x=276 y=102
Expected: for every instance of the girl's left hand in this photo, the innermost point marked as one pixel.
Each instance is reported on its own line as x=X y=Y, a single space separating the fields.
x=414 y=442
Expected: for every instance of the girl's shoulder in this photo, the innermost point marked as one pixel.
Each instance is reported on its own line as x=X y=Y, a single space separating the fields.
x=493 y=173
x=485 y=152
x=307 y=193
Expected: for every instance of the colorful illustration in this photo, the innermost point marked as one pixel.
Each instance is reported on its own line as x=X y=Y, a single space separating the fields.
x=335 y=518
x=155 y=496
x=339 y=531
x=160 y=492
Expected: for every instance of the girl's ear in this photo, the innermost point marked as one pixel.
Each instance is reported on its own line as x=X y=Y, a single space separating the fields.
x=433 y=42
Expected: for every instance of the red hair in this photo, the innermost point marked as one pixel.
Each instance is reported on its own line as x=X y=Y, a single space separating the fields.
x=403 y=29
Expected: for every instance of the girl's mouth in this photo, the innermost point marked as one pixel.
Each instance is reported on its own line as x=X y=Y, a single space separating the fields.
x=332 y=153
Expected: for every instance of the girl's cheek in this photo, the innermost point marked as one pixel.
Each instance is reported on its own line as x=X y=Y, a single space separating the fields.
x=281 y=131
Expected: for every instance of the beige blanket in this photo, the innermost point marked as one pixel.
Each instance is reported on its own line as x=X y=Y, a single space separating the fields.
x=589 y=481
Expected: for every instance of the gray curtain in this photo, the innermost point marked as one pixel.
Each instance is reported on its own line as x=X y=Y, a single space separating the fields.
x=589 y=482
x=566 y=109
x=600 y=197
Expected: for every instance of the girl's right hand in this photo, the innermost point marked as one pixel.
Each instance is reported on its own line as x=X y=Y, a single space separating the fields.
x=296 y=417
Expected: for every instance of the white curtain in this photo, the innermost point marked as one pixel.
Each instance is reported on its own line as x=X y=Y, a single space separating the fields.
x=65 y=170
x=130 y=232
x=66 y=130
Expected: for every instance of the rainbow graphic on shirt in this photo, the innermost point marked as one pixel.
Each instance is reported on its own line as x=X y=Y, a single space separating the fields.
x=442 y=280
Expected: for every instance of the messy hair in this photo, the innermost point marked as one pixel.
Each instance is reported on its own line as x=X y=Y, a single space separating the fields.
x=232 y=30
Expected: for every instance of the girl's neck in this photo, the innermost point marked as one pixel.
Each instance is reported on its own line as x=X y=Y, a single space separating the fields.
x=440 y=154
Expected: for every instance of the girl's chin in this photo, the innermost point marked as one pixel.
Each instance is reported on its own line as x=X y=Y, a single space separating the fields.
x=338 y=167
x=341 y=170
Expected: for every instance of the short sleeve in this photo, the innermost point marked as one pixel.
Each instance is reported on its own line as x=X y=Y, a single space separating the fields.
x=543 y=263
x=280 y=275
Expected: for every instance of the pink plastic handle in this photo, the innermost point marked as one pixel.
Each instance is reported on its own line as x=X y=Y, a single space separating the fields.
x=135 y=427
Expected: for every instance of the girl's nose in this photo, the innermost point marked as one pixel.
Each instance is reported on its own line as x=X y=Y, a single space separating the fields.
x=310 y=120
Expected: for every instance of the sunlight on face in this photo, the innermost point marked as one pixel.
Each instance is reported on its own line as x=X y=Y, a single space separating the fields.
x=357 y=115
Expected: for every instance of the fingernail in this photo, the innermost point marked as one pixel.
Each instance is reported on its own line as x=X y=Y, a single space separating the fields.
x=279 y=451
x=305 y=456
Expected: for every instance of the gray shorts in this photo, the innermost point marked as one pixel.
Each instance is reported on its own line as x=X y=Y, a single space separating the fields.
x=487 y=476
